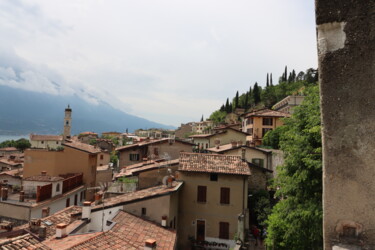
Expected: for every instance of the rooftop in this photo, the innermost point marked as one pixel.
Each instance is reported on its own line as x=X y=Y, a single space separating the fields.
x=213 y=163
x=9 y=149
x=43 y=178
x=10 y=162
x=130 y=170
x=228 y=147
x=46 y=137
x=15 y=172
x=266 y=113
x=139 y=195
x=26 y=241
x=82 y=146
x=146 y=143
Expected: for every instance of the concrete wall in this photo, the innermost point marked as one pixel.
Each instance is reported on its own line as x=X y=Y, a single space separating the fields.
x=211 y=211
x=13 y=181
x=227 y=137
x=154 y=177
x=104 y=176
x=31 y=186
x=14 y=211
x=346 y=48
x=62 y=162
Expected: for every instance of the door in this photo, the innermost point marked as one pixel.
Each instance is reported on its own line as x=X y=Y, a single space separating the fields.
x=201 y=229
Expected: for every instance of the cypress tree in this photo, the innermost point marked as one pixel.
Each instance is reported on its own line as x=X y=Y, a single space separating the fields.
x=246 y=104
x=227 y=106
x=222 y=108
x=202 y=119
x=268 y=83
x=285 y=74
x=236 y=100
x=271 y=80
x=256 y=93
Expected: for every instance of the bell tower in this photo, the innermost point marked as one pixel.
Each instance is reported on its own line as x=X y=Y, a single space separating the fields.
x=67 y=122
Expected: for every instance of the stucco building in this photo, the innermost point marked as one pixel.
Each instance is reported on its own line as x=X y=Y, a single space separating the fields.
x=288 y=104
x=46 y=141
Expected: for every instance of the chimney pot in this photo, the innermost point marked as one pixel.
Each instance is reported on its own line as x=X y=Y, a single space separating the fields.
x=61 y=230
x=45 y=212
x=150 y=244
x=164 y=221
x=86 y=210
x=42 y=232
x=44 y=173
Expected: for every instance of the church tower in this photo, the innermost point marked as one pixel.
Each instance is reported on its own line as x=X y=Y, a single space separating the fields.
x=67 y=122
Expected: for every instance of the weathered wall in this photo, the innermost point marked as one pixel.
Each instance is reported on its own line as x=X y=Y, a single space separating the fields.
x=154 y=177
x=346 y=47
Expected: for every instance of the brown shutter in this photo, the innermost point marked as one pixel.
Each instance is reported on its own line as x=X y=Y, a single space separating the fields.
x=223 y=230
x=201 y=195
x=225 y=195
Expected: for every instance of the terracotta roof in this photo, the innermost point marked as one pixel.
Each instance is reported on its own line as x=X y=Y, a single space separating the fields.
x=145 y=143
x=213 y=163
x=130 y=232
x=139 y=195
x=267 y=113
x=130 y=170
x=43 y=178
x=228 y=147
x=218 y=132
x=10 y=162
x=88 y=133
x=46 y=137
x=26 y=241
x=82 y=146
x=14 y=172
x=102 y=168
x=9 y=149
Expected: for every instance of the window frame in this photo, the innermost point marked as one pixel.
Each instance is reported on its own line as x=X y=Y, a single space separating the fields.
x=224 y=195
x=224 y=230
x=201 y=194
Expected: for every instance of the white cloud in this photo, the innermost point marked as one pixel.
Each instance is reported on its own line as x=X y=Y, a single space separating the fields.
x=167 y=60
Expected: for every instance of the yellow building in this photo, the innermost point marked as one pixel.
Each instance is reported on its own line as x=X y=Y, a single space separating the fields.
x=212 y=200
x=259 y=122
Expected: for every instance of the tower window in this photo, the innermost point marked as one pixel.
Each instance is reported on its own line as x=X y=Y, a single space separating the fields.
x=67 y=122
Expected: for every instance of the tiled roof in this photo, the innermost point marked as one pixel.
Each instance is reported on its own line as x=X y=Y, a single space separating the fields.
x=267 y=113
x=82 y=146
x=130 y=232
x=130 y=170
x=145 y=143
x=25 y=241
x=227 y=147
x=139 y=195
x=14 y=172
x=46 y=137
x=10 y=162
x=88 y=133
x=43 y=178
x=102 y=168
x=213 y=163
x=9 y=149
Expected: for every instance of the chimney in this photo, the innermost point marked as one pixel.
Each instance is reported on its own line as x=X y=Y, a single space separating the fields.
x=22 y=196
x=61 y=230
x=170 y=181
x=4 y=194
x=45 y=212
x=7 y=225
x=164 y=221
x=44 y=173
x=42 y=232
x=86 y=210
x=98 y=198
x=150 y=244
x=34 y=225
x=234 y=144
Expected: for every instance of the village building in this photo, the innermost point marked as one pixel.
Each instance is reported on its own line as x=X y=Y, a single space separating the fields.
x=105 y=144
x=74 y=157
x=258 y=123
x=12 y=178
x=87 y=137
x=46 y=141
x=203 y=127
x=8 y=151
x=154 y=133
x=167 y=149
x=10 y=163
x=220 y=137
x=288 y=104
x=104 y=175
x=184 y=131
x=40 y=194
x=213 y=201
x=112 y=134
x=150 y=173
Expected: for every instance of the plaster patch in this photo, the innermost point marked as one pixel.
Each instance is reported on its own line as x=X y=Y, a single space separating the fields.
x=331 y=37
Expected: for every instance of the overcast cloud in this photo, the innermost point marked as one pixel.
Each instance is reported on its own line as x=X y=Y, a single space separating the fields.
x=169 y=61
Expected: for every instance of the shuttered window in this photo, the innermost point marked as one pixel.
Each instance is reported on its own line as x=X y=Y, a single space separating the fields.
x=224 y=230
x=224 y=195
x=201 y=194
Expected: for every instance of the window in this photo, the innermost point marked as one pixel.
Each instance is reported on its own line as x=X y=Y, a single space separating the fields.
x=134 y=157
x=265 y=130
x=257 y=161
x=67 y=123
x=224 y=195
x=81 y=197
x=213 y=177
x=58 y=187
x=156 y=151
x=250 y=131
x=249 y=121
x=68 y=202
x=75 y=199
x=267 y=121
x=224 y=230
x=101 y=157
x=206 y=145
x=57 y=142
x=42 y=142
x=144 y=211
x=201 y=194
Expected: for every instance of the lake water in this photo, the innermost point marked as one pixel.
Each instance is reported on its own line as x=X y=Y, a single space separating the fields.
x=12 y=137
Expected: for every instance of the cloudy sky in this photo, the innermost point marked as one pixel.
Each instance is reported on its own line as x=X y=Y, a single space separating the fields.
x=169 y=61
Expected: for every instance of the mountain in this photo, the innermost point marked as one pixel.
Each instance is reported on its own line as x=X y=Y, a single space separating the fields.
x=23 y=112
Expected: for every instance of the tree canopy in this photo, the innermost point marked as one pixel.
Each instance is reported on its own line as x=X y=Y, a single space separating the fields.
x=296 y=221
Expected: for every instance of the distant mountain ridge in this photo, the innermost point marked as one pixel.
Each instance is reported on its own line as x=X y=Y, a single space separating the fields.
x=23 y=112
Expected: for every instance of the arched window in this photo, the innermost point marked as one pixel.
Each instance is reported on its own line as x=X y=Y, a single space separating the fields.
x=58 y=187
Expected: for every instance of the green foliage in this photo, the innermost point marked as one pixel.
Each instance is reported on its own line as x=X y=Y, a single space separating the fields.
x=20 y=144
x=92 y=142
x=113 y=158
x=296 y=221
x=218 y=116
x=262 y=206
x=272 y=137
x=126 y=180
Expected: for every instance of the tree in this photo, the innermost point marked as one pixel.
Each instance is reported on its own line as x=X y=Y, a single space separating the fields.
x=218 y=116
x=22 y=144
x=272 y=137
x=256 y=93
x=296 y=221
x=227 y=107
x=267 y=83
x=202 y=119
x=236 y=101
x=285 y=74
x=271 y=80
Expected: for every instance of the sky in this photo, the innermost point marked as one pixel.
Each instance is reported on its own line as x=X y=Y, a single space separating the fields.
x=169 y=61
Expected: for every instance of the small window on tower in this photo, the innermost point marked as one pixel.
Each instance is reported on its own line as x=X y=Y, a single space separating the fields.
x=67 y=122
